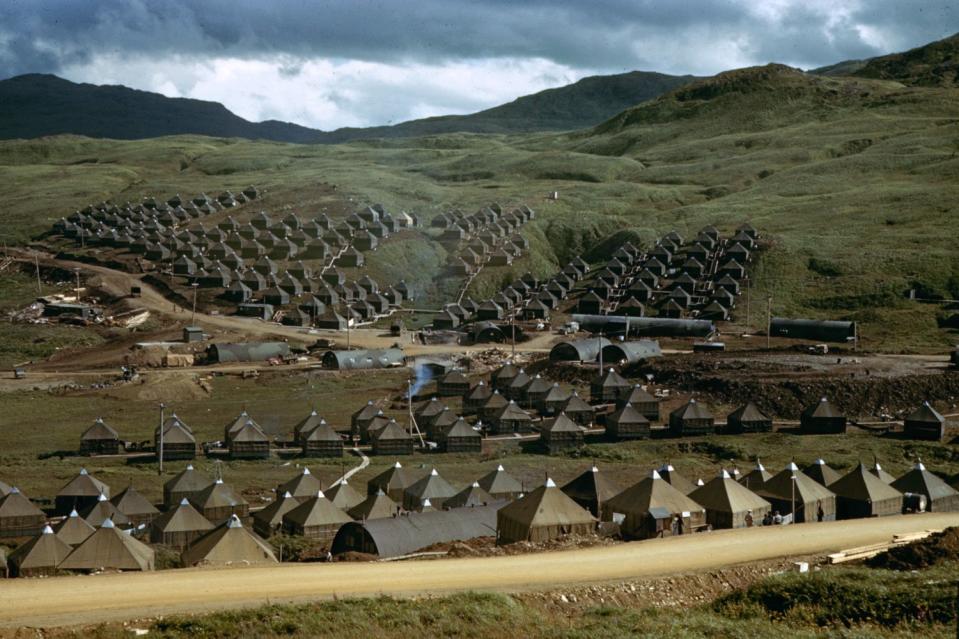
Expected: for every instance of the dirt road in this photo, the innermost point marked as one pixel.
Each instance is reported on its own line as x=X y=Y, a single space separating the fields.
x=84 y=600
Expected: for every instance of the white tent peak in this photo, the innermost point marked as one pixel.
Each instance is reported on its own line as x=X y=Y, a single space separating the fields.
x=725 y=474
x=47 y=530
x=107 y=523
x=234 y=522
x=550 y=483
x=74 y=513
x=655 y=474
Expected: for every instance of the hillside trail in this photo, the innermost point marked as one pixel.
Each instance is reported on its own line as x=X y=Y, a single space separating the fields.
x=80 y=600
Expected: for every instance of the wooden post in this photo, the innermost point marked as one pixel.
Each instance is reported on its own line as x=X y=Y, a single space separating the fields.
x=769 y=320
x=36 y=261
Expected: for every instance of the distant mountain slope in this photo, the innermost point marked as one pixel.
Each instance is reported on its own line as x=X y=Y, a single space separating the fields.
x=933 y=64
x=37 y=105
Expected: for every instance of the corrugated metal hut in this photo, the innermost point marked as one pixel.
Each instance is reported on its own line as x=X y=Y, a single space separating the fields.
x=544 y=514
x=647 y=509
x=388 y=537
x=940 y=496
x=582 y=350
x=748 y=419
x=822 y=418
x=692 y=418
x=178 y=526
x=100 y=439
x=727 y=503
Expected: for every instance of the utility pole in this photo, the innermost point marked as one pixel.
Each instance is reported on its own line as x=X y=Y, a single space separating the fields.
x=748 y=316
x=769 y=320
x=195 y=285
x=76 y=271
x=160 y=454
x=600 y=343
x=36 y=261
x=512 y=331
x=793 y=484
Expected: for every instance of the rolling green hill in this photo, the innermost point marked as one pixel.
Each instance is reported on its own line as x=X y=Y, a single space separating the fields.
x=934 y=64
x=35 y=105
x=855 y=180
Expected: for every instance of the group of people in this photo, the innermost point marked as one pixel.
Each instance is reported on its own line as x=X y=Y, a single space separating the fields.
x=775 y=518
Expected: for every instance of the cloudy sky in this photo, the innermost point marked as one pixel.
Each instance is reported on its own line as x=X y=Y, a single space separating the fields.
x=333 y=63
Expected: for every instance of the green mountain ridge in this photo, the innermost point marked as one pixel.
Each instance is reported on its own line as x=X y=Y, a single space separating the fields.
x=37 y=105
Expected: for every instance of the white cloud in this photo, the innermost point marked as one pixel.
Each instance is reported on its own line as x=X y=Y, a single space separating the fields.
x=329 y=94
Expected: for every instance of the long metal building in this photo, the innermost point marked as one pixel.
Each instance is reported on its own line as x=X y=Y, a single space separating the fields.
x=645 y=326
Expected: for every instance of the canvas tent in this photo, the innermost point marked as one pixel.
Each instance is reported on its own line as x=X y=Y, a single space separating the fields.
x=73 y=530
x=859 y=493
x=178 y=526
x=500 y=484
x=791 y=488
x=727 y=503
x=940 y=496
x=676 y=480
x=110 y=549
x=40 y=556
x=591 y=489
x=269 y=520
x=822 y=472
x=81 y=492
x=183 y=485
x=648 y=507
x=925 y=423
x=376 y=506
x=432 y=487
x=228 y=544
x=544 y=514
x=315 y=518
x=19 y=517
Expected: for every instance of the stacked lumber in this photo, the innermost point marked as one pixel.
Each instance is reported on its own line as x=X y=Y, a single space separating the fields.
x=865 y=552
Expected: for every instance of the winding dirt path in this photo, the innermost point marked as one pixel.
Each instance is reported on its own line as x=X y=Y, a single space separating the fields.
x=67 y=601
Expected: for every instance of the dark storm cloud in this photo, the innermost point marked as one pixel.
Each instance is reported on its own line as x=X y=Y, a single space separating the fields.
x=586 y=34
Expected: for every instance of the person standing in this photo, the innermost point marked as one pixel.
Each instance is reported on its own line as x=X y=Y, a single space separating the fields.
x=749 y=519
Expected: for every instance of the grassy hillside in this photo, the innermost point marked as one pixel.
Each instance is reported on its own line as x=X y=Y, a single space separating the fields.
x=935 y=64
x=36 y=105
x=856 y=181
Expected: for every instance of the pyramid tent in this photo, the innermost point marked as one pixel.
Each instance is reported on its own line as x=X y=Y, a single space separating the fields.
x=692 y=418
x=925 y=423
x=303 y=485
x=940 y=496
x=880 y=473
x=859 y=493
x=377 y=506
x=432 y=487
x=791 y=487
x=111 y=549
x=727 y=503
x=500 y=484
x=135 y=506
x=591 y=489
x=322 y=441
x=650 y=499
x=218 y=501
x=238 y=424
x=103 y=510
x=81 y=491
x=344 y=496
x=184 y=484
x=822 y=418
x=674 y=479
x=229 y=543
x=469 y=497
x=41 y=555
x=310 y=422
x=748 y=419
x=269 y=520
x=4 y=488
x=544 y=514
x=315 y=518
x=627 y=423
x=178 y=526
x=99 y=431
x=73 y=530
x=19 y=517
x=394 y=481
x=822 y=472
x=755 y=479
x=248 y=432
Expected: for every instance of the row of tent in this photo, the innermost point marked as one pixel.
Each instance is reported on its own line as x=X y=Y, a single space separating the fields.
x=700 y=278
